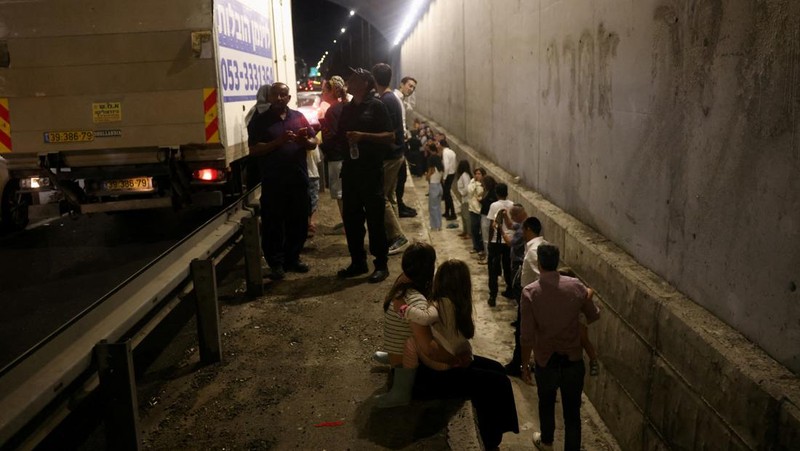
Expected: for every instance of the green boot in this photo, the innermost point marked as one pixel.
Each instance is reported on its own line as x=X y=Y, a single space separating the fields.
x=400 y=394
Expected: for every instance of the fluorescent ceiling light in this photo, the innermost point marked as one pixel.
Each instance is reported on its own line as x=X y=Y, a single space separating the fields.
x=352 y=13
x=413 y=12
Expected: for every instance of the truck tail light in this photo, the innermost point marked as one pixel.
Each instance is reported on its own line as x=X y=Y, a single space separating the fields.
x=34 y=182
x=209 y=175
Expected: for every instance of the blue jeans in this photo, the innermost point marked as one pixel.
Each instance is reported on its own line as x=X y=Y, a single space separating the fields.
x=435 y=205
x=561 y=373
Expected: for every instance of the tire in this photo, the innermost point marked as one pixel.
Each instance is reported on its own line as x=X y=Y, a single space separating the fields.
x=14 y=207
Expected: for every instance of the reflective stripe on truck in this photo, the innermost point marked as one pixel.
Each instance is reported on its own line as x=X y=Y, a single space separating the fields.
x=5 y=126
x=211 y=115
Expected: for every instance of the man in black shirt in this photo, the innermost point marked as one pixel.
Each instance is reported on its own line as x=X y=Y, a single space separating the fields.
x=279 y=138
x=365 y=126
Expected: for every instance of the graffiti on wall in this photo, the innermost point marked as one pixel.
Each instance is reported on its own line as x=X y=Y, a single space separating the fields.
x=580 y=72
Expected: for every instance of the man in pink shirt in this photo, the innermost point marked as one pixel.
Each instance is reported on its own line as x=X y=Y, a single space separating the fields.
x=549 y=310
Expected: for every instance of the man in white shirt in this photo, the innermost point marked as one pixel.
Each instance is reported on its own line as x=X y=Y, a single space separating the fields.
x=449 y=161
x=529 y=273
x=407 y=87
x=499 y=251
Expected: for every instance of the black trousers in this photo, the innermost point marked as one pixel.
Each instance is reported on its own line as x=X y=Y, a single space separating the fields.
x=449 y=208
x=499 y=259
x=362 y=200
x=561 y=373
x=516 y=290
x=285 y=206
x=485 y=383
x=400 y=190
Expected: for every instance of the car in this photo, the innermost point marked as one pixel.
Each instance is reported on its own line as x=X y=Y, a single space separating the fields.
x=308 y=103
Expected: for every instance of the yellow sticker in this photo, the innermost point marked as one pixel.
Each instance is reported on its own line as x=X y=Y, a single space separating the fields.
x=106 y=112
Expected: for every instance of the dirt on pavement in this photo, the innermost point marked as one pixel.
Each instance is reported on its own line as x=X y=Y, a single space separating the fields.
x=297 y=371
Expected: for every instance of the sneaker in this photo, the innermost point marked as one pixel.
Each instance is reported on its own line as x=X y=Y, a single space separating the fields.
x=398 y=245
x=594 y=368
x=492 y=301
x=537 y=442
x=407 y=214
x=381 y=357
x=452 y=225
x=473 y=251
x=507 y=294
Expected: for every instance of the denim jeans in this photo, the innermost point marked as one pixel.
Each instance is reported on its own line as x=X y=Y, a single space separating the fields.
x=561 y=373
x=435 y=205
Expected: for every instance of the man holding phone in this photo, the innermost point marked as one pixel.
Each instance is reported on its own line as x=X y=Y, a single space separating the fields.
x=279 y=138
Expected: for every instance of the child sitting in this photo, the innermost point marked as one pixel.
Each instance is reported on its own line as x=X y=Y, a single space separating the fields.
x=449 y=315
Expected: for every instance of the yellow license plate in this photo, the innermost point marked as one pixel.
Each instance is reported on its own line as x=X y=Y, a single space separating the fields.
x=78 y=136
x=134 y=184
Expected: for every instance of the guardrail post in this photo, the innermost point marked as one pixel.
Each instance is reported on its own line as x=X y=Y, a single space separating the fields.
x=118 y=392
x=205 y=288
x=252 y=257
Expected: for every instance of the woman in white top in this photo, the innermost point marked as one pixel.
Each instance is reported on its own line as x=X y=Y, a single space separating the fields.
x=435 y=191
x=464 y=177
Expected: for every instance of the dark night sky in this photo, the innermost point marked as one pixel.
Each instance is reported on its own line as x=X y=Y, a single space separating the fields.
x=317 y=23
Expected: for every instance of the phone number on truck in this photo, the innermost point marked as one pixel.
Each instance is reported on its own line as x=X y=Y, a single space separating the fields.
x=243 y=75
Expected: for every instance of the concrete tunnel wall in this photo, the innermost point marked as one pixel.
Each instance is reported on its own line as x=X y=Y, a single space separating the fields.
x=671 y=128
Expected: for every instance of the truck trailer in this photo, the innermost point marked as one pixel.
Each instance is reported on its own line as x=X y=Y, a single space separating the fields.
x=115 y=105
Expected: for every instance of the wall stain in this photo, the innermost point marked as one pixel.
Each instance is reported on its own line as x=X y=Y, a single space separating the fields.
x=553 y=73
x=586 y=74
x=588 y=62
x=607 y=45
x=571 y=60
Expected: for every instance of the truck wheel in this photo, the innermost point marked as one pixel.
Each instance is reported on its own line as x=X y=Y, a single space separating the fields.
x=14 y=207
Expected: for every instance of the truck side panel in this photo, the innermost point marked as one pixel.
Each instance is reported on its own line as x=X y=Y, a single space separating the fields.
x=96 y=17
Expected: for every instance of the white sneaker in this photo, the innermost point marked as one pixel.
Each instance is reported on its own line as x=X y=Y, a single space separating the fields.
x=537 y=442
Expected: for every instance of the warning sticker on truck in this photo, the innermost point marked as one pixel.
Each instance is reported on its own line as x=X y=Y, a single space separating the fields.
x=106 y=112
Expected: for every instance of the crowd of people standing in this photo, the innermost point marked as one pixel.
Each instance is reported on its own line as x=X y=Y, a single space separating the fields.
x=368 y=149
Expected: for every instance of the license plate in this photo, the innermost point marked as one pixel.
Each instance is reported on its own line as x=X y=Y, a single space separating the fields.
x=77 y=136
x=134 y=184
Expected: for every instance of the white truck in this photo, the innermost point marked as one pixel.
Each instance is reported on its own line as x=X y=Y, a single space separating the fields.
x=117 y=105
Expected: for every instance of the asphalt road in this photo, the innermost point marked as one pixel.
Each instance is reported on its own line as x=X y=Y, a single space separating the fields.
x=52 y=273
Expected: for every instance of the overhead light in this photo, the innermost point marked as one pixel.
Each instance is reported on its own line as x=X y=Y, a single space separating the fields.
x=343 y=29
x=326 y=52
x=413 y=11
x=334 y=41
x=352 y=13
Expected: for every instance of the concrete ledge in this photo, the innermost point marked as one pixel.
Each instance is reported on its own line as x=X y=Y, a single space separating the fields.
x=674 y=376
x=462 y=430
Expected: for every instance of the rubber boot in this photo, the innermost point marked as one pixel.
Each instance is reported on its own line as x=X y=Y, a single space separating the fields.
x=400 y=394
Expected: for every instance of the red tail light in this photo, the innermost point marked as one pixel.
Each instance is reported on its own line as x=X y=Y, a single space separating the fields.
x=208 y=175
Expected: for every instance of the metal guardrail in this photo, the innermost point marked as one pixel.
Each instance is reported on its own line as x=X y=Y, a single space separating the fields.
x=33 y=382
